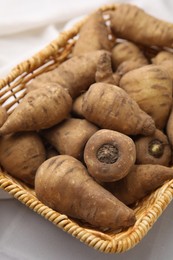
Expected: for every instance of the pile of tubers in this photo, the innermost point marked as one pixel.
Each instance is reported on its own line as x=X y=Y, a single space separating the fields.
x=95 y=135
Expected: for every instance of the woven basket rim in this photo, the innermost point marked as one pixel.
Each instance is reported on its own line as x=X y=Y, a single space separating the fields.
x=95 y=239
x=98 y=240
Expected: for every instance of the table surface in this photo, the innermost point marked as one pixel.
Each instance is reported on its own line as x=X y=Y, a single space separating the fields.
x=25 y=235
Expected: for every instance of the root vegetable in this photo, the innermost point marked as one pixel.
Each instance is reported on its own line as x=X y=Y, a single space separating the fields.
x=70 y=136
x=165 y=60
x=151 y=87
x=41 y=108
x=63 y=184
x=132 y=23
x=77 y=106
x=21 y=155
x=93 y=35
x=104 y=72
x=140 y=181
x=3 y=115
x=153 y=149
x=110 y=107
x=126 y=56
x=162 y=57
x=109 y=155
x=75 y=74
x=117 y=78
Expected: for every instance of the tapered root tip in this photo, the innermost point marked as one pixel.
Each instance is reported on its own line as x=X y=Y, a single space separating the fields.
x=148 y=127
x=130 y=221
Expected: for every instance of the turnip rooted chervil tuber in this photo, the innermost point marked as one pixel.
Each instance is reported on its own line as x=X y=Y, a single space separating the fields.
x=93 y=35
x=151 y=87
x=142 y=180
x=21 y=155
x=41 y=108
x=132 y=23
x=109 y=106
x=154 y=149
x=75 y=74
x=109 y=155
x=70 y=136
x=63 y=184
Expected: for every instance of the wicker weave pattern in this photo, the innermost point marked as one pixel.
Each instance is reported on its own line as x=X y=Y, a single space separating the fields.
x=147 y=213
x=12 y=90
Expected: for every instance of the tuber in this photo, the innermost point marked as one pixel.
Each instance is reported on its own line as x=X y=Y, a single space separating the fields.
x=165 y=60
x=110 y=107
x=104 y=72
x=93 y=35
x=75 y=74
x=21 y=155
x=151 y=87
x=77 y=106
x=63 y=184
x=41 y=108
x=126 y=56
x=109 y=155
x=132 y=23
x=140 y=181
x=153 y=149
x=70 y=136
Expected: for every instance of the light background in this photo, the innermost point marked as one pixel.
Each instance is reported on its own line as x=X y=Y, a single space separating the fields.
x=25 y=28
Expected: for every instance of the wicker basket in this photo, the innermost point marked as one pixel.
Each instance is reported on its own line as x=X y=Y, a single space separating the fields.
x=12 y=90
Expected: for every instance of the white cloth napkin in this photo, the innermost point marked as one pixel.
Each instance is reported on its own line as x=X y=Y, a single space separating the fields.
x=28 y=26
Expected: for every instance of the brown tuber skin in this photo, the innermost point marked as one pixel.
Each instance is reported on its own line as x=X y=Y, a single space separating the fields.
x=77 y=106
x=104 y=72
x=126 y=56
x=153 y=149
x=63 y=184
x=93 y=35
x=132 y=23
x=21 y=155
x=165 y=60
x=109 y=155
x=110 y=107
x=162 y=57
x=41 y=108
x=139 y=182
x=75 y=74
x=3 y=115
x=70 y=136
x=117 y=78
x=151 y=88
